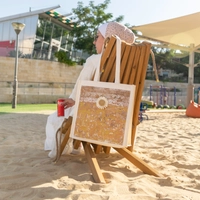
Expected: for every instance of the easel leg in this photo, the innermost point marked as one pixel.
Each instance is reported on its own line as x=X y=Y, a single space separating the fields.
x=137 y=162
x=92 y=161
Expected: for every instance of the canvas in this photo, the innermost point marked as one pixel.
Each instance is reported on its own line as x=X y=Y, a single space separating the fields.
x=103 y=113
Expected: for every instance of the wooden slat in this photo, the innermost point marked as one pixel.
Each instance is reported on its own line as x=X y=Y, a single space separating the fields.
x=97 y=148
x=124 y=59
x=136 y=51
x=106 y=61
x=145 y=52
x=76 y=144
x=127 y=63
x=134 y=62
x=107 y=51
x=65 y=129
x=109 y=67
x=92 y=161
x=65 y=140
x=106 y=149
x=137 y=162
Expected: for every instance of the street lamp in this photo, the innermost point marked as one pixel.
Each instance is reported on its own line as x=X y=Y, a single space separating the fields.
x=18 y=27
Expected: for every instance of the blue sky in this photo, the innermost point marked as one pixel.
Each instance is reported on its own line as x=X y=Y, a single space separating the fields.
x=135 y=12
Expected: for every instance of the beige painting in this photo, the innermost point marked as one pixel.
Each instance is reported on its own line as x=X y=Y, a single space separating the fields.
x=102 y=114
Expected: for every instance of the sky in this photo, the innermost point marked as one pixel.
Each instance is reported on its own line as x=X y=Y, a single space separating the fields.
x=135 y=12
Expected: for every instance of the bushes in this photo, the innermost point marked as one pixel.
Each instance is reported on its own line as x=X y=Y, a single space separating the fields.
x=63 y=58
x=170 y=107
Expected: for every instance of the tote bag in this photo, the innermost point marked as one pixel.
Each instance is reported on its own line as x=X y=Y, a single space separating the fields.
x=103 y=110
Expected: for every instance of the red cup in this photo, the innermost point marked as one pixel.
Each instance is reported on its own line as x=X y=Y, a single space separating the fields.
x=60 y=108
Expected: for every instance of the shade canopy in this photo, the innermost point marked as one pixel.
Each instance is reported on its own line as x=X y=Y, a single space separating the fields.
x=181 y=33
x=184 y=31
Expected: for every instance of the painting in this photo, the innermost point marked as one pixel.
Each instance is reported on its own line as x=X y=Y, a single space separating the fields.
x=103 y=113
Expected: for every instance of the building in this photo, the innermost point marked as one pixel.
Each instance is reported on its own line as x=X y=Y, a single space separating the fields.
x=46 y=31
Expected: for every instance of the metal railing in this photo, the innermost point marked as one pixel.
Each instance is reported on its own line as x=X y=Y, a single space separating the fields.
x=39 y=54
x=173 y=96
x=28 y=53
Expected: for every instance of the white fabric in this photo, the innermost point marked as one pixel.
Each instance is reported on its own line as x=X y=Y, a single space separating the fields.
x=102 y=29
x=97 y=74
x=54 y=122
x=118 y=59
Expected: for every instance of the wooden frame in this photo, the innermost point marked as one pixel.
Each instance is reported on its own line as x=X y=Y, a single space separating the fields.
x=134 y=61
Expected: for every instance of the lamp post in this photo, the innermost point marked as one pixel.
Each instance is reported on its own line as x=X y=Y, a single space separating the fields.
x=18 y=27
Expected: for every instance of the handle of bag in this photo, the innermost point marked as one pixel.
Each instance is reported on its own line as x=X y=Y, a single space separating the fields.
x=118 y=60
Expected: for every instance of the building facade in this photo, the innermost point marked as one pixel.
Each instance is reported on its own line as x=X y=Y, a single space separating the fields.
x=46 y=31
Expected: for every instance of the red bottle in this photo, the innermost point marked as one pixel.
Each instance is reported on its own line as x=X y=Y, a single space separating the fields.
x=60 y=108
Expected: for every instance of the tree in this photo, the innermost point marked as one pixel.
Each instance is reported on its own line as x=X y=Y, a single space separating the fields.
x=168 y=59
x=87 y=21
x=163 y=56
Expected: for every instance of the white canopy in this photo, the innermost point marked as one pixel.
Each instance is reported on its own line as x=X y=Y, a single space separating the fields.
x=179 y=33
x=183 y=30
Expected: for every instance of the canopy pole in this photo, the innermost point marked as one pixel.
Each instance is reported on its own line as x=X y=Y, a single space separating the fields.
x=190 y=87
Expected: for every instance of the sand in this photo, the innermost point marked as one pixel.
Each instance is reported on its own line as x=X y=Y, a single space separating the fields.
x=169 y=142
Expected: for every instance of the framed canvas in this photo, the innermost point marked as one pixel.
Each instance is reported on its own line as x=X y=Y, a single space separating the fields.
x=103 y=113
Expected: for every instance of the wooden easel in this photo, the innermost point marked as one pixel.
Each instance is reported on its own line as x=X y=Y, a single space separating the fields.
x=134 y=61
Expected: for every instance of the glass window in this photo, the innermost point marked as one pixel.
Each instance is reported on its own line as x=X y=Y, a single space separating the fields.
x=57 y=32
x=50 y=38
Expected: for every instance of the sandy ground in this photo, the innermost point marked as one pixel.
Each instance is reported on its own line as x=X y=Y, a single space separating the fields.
x=169 y=142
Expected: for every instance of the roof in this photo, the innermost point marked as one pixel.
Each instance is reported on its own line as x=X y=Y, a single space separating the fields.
x=49 y=12
x=182 y=31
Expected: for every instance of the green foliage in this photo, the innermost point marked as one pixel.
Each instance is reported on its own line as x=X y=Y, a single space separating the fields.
x=81 y=62
x=88 y=19
x=169 y=59
x=163 y=56
x=63 y=58
x=7 y=108
x=166 y=59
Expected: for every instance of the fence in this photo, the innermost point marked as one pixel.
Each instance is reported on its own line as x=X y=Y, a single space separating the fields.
x=45 y=92
x=35 y=92
x=171 y=96
x=30 y=53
